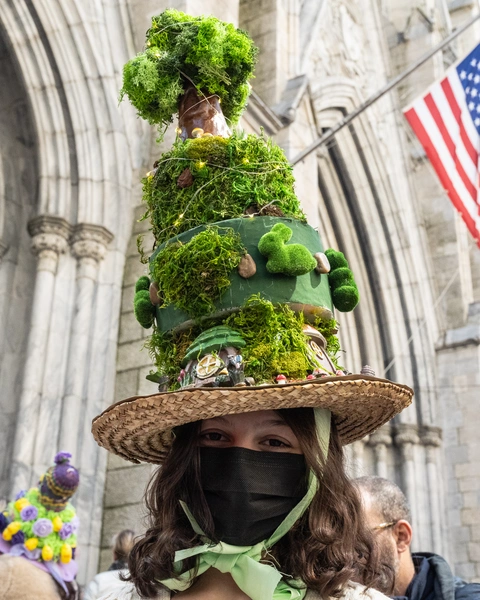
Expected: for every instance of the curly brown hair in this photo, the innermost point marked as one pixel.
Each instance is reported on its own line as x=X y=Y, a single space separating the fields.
x=329 y=546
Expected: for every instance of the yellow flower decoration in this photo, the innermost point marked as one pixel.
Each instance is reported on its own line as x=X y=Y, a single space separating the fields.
x=14 y=527
x=7 y=535
x=31 y=543
x=57 y=523
x=66 y=553
x=47 y=553
x=21 y=503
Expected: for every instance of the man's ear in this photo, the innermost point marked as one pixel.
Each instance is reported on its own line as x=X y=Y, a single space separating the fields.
x=402 y=531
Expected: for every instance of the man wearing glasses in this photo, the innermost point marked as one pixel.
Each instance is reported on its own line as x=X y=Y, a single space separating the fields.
x=418 y=576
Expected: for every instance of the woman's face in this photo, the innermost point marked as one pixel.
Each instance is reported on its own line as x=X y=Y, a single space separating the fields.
x=264 y=431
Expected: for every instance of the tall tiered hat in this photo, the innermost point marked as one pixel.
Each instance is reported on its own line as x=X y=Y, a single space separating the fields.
x=240 y=291
x=41 y=525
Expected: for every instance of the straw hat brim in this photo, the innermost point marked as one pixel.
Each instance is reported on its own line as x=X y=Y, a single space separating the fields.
x=140 y=428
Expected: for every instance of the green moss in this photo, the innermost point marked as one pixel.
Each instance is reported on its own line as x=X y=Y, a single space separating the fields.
x=229 y=176
x=344 y=290
x=215 y=56
x=273 y=337
x=292 y=260
x=193 y=275
x=143 y=308
x=328 y=328
x=293 y=364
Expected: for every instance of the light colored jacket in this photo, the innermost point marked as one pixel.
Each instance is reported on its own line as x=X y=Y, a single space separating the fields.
x=353 y=591
x=103 y=584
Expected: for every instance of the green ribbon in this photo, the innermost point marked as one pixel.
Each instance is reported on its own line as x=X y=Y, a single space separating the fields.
x=258 y=580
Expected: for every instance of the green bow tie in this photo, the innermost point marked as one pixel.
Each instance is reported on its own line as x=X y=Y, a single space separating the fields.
x=258 y=580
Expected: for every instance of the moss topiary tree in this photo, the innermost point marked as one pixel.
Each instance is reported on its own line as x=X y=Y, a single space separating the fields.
x=187 y=59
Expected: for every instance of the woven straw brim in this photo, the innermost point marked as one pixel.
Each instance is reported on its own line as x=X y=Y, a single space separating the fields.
x=140 y=428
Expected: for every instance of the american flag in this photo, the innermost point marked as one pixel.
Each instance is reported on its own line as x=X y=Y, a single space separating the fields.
x=446 y=120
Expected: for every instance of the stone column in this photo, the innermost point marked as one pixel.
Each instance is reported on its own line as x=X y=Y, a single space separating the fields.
x=49 y=240
x=358 y=450
x=380 y=441
x=89 y=246
x=406 y=437
x=431 y=438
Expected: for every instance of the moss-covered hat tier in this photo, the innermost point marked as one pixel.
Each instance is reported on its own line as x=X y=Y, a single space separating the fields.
x=239 y=291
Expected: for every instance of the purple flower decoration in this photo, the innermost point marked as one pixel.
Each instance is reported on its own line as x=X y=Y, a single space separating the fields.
x=62 y=457
x=66 y=531
x=20 y=494
x=29 y=513
x=18 y=538
x=75 y=522
x=43 y=527
x=3 y=522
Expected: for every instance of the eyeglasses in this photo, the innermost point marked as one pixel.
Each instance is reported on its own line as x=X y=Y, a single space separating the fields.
x=384 y=526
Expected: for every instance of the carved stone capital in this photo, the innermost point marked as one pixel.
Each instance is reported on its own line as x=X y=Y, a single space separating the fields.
x=49 y=239
x=90 y=241
x=380 y=437
x=406 y=433
x=431 y=436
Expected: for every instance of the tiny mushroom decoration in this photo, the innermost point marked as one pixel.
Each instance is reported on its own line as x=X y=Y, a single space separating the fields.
x=281 y=379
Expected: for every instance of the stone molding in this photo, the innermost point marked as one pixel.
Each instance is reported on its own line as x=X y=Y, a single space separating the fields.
x=406 y=433
x=3 y=249
x=89 y=241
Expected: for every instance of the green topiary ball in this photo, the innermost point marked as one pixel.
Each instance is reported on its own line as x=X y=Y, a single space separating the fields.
x=345 y=298
x=143 y=309
x=142 y=284
x=344 y=290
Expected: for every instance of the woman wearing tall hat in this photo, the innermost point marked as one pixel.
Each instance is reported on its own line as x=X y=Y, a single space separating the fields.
x=251 y=500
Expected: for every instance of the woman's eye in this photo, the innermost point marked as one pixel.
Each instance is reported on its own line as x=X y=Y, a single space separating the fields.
x=212 y=436
x=276 y=443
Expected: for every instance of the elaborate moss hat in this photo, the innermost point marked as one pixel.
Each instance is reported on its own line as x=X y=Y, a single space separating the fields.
x=240 y=291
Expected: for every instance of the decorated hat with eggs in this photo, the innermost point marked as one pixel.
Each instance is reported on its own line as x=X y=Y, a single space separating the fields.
x=41 y=525
x=239 y=290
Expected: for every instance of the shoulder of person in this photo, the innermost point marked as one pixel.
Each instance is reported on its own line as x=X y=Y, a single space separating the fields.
x=466 y=591
x=353 y=591
x=128 y=592
x=22 y=580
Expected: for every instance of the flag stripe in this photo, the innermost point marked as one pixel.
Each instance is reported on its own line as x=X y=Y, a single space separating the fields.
x=430 y=149
x=432 y=107
x=448 y=163
x=457 y=113
x=454 y=131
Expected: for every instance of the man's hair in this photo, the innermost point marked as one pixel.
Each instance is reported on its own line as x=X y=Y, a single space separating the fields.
x=386 y=496
x=122 y=544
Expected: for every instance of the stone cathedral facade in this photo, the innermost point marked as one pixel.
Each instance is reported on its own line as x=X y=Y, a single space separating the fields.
x=70 y=160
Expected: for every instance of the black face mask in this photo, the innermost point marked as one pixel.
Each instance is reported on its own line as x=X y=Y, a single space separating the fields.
x=249 y=493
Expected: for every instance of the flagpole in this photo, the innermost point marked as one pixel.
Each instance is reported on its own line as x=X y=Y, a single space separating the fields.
x=330 y=133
